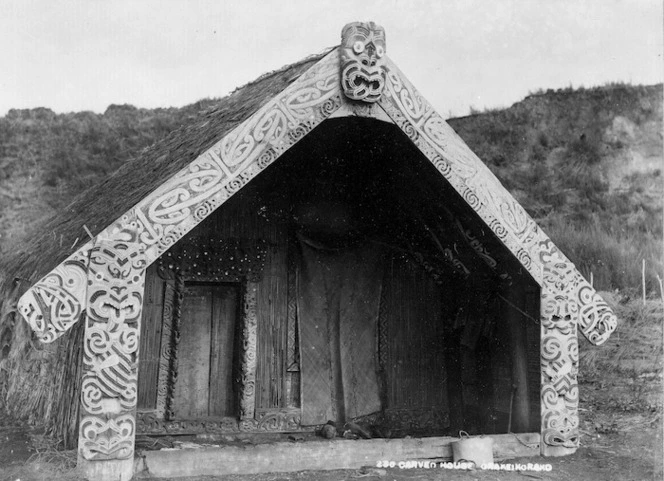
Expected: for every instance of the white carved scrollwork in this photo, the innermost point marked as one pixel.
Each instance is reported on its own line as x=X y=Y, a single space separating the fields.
x=115 y=278
x=57 y=301
x=162 y=218
x=559 y=315
x=249 y=361
x=484 y=193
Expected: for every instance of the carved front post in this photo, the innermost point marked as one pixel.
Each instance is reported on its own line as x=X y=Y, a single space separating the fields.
x=116 y=275
x=559 y=314
x=249 y=346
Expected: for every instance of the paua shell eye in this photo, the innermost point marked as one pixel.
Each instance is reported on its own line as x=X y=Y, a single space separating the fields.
x=358 y=47
x=380 y=51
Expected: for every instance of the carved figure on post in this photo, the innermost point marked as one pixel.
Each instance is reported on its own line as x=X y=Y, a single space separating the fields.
x=116 y=273
x=362 y=51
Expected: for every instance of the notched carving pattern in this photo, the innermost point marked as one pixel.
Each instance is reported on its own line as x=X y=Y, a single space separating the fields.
x=57 y=301
x=249 y=346
x=172 y=210
x=559 y=357
x=116 y=273
x=484 y=193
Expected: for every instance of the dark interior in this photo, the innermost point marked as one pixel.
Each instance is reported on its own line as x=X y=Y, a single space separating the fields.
x=456 y=344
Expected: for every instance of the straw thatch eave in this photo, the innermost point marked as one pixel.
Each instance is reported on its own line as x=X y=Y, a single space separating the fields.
x=100 y=205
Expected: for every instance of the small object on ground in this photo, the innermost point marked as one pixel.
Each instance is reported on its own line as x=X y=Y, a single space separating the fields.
x=328 y=431
x=189 y=445
x=296 y=437
x=358 y=430
x=370 y=471
x=348 y=434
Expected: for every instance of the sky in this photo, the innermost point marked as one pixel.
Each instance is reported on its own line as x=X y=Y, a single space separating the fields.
x=73 y=55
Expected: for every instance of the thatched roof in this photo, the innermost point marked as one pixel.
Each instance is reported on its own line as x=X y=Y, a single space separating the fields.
x=99 y=206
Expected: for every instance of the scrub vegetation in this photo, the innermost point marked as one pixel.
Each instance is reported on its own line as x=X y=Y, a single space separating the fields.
x=587 y=166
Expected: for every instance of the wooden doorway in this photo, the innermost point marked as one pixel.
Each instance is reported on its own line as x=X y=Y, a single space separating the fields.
x=206 y=351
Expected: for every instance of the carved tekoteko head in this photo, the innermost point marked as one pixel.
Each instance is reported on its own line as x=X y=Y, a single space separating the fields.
x=362 y=51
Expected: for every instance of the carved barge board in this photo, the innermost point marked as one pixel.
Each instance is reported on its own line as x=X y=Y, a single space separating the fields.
x=322 y=455
x=165 y=216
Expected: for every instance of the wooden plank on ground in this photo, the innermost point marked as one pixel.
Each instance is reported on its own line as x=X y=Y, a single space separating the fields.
x=320 y=455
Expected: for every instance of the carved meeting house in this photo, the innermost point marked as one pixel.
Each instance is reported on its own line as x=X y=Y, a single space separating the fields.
x=339 y=255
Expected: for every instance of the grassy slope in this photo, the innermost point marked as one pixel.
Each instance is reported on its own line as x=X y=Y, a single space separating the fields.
x=46 y=159
x=586 y=164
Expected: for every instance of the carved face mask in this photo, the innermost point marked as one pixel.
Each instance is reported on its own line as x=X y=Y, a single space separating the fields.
x=362 y=51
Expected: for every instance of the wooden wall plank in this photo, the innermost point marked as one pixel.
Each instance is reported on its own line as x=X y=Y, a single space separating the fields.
x=272 y=311
x=150 y=348
x=224 y=313
x=415 y=367
x=192 y=387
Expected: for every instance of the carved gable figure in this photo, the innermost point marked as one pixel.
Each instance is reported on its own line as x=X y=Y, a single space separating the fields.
x=362 y=51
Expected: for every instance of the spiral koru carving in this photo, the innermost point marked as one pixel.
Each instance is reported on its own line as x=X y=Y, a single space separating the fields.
x=116 y=273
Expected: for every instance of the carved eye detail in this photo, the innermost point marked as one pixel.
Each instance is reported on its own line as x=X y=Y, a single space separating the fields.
x=380 y=51
x=358 y=47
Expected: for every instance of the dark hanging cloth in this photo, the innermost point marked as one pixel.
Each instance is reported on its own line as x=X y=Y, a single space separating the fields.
x=338 y=298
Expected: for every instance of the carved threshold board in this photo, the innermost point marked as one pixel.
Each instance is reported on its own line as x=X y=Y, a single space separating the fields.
x=273 y=421
x=320 y=455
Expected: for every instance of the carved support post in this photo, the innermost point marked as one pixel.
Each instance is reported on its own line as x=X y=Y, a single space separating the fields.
x=249 y=344
x=173 y=347
x=559 y=315
x=116 y=275
x=166 y=353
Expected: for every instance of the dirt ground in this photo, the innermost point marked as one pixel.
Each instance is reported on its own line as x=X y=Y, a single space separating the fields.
x=621 y=429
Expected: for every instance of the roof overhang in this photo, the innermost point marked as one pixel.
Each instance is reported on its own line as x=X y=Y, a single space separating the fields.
x=164 y=216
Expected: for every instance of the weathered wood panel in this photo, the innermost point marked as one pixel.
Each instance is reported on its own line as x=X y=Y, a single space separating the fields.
x=415 y=368
x=192 y=388
x=150 y=348
x=222 y=348
x=272 y=313
x=206 y=350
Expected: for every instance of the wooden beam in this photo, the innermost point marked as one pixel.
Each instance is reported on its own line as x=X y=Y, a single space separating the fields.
x=320 y=455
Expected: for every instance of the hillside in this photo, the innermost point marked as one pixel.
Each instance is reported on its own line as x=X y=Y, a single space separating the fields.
x=585 y=163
